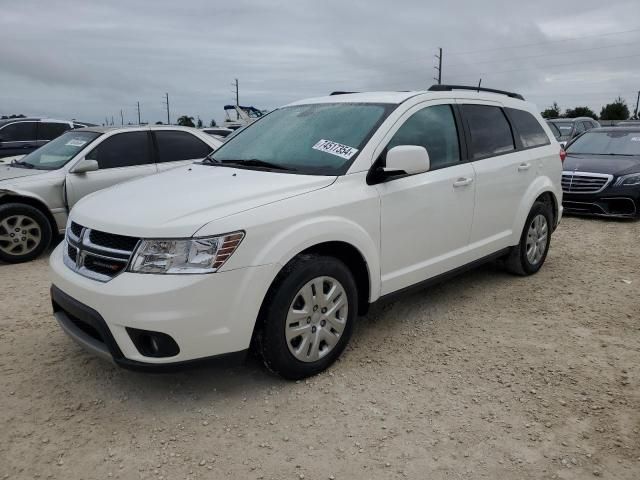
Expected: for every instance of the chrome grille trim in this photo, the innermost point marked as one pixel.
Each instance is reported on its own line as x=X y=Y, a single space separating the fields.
x=85 y=250
x=585 y=182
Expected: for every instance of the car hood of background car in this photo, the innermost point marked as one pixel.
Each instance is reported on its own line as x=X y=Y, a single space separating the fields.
x=611 y=164
x=8 y=173
x=179 y=202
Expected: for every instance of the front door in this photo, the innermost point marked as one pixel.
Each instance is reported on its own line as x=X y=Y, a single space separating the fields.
x=426 y=218
x=121 y=157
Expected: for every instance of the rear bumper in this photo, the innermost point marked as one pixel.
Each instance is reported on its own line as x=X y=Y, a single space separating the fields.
x=620 y=203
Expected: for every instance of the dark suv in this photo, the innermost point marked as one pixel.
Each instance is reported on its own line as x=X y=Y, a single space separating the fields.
x=19 y=136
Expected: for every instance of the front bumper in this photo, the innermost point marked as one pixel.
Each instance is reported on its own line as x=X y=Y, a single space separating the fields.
x=207 y=315
x=616 y=202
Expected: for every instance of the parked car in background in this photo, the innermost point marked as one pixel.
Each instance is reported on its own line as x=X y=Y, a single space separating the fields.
x=602 y=173
x=564 y=129
x=218 y=132
x=628 y=123
x=37 y=191
x=288 y=231
x=19 y=136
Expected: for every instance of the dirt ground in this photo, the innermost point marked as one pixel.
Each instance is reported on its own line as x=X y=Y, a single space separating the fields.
x=485 y=376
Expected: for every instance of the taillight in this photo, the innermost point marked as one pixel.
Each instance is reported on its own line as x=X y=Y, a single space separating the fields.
x=563 y=155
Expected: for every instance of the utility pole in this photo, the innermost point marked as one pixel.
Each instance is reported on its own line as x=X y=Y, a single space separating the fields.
x=166 y=96
x=439 y=67
x=139 y=113
x=112 y=120
x=637 y=104
x=121 y=117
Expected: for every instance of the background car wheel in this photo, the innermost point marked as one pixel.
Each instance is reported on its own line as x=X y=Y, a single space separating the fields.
x=24 y=232
x=308 y=316
x=529 y=255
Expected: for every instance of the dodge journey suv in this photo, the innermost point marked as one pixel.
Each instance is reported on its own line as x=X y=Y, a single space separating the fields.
x=279 y=239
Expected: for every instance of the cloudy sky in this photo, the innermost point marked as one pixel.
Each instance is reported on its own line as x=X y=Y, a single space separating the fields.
x=87 y=60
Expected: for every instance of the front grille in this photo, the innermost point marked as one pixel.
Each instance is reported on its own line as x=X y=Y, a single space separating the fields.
x=584 y=182
x=97 y=255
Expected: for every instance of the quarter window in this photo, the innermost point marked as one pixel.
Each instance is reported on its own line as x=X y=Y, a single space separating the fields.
x=433 y=128
x=490 y=131
x=122 y=150
x=529 y=129
x=19 y=132
x=174 y=146
x=51 y=130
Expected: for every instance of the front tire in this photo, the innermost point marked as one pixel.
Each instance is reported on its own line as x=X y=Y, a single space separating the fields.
x=25 y=232
x=308 y=316
x=529 y=255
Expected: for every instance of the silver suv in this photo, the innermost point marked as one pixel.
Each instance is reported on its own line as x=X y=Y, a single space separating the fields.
x=38 y=191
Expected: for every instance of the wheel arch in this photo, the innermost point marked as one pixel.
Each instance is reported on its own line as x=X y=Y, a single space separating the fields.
x=8 y=196
x=541 y=189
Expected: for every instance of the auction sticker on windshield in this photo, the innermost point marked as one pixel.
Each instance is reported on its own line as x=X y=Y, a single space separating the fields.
x=335 y=148
x=74 y=142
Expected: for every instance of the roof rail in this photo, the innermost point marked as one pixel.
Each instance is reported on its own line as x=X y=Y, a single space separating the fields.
x=448 y=88
x=341 y=93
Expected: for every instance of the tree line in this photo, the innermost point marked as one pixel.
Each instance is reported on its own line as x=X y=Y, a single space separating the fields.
x=617 y=110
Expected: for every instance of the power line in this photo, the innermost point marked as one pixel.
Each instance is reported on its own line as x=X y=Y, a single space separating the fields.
x=544 y=54
x=547 y=42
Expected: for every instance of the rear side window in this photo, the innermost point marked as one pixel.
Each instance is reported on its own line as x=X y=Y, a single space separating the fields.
x=51 y=130
x=174 y=146
x=122 y=150
x=433 y=128
x=529 y=129
x=19 y=132
x=490 y=131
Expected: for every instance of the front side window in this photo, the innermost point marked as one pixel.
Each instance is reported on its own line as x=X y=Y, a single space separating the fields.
x=51 y=130
x=318 y=139
x=490 y=131
x=433 y=128
x=579 y=128
x=529 y=129
x=19 y=132
x=59 y=151
x=174 y=146
x=122 y=150
x=607 y=143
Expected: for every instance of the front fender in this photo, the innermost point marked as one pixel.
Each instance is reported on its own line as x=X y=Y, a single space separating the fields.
x=289 y=242
x=539 y=186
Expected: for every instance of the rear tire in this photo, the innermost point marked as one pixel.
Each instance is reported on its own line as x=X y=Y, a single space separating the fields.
x=25 y=232
x=308 y=316
x=529 y=255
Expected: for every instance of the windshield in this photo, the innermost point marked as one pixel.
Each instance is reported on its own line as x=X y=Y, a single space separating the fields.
x=565 y=128
x=554 y=129
x=607 y=143
x=320 y=139
x=59 y=151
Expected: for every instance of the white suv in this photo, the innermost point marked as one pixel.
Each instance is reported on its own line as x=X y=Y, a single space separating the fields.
x=286 y=233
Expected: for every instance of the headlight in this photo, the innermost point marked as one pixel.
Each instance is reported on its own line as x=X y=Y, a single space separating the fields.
x=191 y=255
x=628 y=180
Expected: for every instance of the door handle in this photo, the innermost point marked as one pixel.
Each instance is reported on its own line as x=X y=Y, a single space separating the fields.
x=462 y=182
x=523 y=167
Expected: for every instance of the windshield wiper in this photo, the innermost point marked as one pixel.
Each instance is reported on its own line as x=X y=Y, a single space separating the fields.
x=209 y=159
x=21 y=164
x=254 y=162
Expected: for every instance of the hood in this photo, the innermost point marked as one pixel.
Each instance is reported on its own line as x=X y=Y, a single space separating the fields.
x=8 y=173
x=611 y=164
x=180 y=201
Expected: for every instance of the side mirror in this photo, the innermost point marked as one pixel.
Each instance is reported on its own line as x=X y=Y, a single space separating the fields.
x=85 y=166
x=409 y=159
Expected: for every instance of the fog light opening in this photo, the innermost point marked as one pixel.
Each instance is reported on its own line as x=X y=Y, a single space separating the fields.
x=153 y=344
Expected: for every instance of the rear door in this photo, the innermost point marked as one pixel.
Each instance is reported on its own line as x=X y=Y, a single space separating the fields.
x=502 y=175
x=426 y=218
x=176 y=147
x=121 y=157
x=18 y=138
x=47 y=131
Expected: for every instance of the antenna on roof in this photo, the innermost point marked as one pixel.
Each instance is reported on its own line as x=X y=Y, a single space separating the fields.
x=479 y=83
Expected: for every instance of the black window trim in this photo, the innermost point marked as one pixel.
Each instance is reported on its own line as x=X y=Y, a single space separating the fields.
x=516 y=139
x=519 y=146
x=150 y=157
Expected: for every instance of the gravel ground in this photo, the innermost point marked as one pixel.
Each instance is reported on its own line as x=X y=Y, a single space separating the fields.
x=485 y=376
